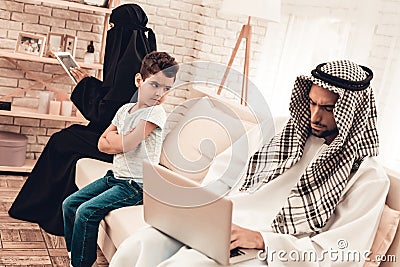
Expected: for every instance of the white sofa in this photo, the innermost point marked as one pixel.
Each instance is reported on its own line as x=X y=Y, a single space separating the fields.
x=122 y=223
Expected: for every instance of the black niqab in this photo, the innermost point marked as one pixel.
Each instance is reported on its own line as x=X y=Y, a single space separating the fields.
x=126 y=43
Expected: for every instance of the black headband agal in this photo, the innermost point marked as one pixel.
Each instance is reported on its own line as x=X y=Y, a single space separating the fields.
x=343 y=83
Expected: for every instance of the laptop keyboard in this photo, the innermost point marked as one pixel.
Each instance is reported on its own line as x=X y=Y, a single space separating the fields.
x=236 y=252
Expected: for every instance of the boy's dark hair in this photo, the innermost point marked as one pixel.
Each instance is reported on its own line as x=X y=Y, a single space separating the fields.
x=158 y=61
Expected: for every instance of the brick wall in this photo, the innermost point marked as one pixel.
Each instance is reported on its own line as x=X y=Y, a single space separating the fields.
x=188 y=29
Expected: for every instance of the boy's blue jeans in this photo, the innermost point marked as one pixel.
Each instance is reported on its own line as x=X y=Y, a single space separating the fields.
x=84 y=210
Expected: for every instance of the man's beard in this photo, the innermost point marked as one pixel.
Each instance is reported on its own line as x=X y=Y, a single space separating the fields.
x=325 y=133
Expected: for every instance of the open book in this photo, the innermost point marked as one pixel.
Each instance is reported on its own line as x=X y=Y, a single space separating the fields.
x=67 y=62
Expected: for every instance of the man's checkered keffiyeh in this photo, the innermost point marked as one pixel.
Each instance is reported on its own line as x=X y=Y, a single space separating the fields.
x=315 y=196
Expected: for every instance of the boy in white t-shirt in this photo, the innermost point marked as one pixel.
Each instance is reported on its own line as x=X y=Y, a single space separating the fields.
x=135 y=134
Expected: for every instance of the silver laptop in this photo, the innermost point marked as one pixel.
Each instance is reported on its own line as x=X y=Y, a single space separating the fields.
x=206 y=228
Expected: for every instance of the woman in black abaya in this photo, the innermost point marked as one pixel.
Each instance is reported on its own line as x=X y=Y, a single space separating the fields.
x=53 y=177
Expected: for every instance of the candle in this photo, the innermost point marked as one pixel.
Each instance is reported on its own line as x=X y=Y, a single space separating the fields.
x=66 y=108
x=44 y=99
x=54 y=108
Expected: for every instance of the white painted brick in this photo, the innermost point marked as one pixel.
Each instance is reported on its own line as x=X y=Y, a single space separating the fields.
x=223 y=51
x=89 y=36
x=52 y=21
x=168 y=13
x=8 y=44
x=3 y=33
x=12 y=34
x=4 y=81
x=181 y=6
x=209 y=57
x=94 y=19
x=52 y=124
x=65 y=87
x=187 y=34
x=192 y=17
x=65 y=14
x=51 y=131
x=157 y=20
x=25 y=17
x=25 y=102
x=235 y=26
x=7 y=90
x=12 y=25
x=6 y=120
x=12 y=6
x=6 y=64
x=78 y=25
x=178 y=24
x=33 y=130
x=41 y=75
x=63 y=31
x=203 y=47
x=25 y=83
x=8 y=73
x=201 y=28
x=27 y=122
x=34 y=148
x=158 y=3
x=182 y=50
x=216 y=23
x=52 y=68
x=38 y=10
x=167 y=31
x=223 y=33
x=42 y=139
x=97 y=28
x=206 y=11
x=10 y=128
x=149 y=9
x=4 y=14
x=171 y=40
x=31 y=139
x=36 y=28
x=33 y=93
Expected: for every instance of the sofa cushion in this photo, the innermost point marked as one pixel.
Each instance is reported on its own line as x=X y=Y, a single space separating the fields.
x=384 y=236
x=206 y=129
x=88 y=170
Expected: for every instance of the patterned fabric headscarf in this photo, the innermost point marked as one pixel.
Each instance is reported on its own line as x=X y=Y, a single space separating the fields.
x=314 y=198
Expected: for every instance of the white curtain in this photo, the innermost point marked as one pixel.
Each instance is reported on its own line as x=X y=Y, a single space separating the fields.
x=300 y=42
x=307 y=42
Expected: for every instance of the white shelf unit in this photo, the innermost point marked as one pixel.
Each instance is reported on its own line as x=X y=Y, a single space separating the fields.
x=30 y=113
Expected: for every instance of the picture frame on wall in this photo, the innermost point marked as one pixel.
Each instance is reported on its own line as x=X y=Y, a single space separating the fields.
x=70 y=42
x=31 y=44
x=54 y=43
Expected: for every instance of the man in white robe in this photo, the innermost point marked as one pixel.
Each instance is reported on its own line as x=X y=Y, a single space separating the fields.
x=319 y=190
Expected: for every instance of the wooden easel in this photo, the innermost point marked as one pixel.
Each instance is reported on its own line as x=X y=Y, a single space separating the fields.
x=246 y=34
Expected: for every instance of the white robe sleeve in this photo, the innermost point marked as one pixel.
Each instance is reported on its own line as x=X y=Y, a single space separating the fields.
x=349 y=233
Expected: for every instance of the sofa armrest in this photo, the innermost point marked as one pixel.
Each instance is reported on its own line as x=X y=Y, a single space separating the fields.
x=88 y=170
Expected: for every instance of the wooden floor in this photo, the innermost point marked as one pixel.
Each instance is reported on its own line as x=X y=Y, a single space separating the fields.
x=23 y=243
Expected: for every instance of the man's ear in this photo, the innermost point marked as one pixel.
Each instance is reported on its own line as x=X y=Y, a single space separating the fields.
x=138 y=79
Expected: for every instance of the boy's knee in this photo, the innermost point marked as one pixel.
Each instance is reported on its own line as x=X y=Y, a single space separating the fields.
x=67 y=205
x=82 y=214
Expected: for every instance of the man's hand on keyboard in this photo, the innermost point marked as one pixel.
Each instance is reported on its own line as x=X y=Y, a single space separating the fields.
x=245 y=238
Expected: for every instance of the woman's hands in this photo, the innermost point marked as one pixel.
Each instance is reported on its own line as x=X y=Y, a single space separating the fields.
x=79 y=74
x=245 y=238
